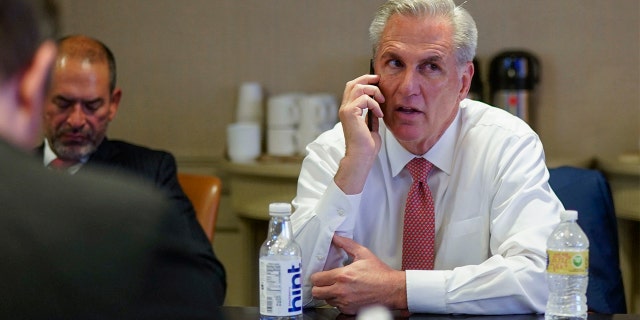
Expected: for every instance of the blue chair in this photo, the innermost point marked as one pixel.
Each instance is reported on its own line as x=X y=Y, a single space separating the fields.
x=587 y=191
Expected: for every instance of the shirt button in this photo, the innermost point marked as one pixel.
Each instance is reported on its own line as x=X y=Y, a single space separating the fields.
x=341 y=212
x=320 y=258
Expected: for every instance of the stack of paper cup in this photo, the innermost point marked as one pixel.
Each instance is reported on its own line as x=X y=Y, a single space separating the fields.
x=249 y=108
x=244 y=137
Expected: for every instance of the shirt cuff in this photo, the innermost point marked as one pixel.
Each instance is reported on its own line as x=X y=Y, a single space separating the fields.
x=338 y=210
x=426 y=290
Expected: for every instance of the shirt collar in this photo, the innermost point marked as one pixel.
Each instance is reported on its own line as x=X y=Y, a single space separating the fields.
x=48 y=153
x=441 y=154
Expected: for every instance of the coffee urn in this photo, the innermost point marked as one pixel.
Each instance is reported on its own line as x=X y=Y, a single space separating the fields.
x=513 y=76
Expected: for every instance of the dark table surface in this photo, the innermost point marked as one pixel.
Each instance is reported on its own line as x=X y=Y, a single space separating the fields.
x=252 y=313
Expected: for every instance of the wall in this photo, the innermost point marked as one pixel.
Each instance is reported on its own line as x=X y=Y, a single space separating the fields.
x=181 y=62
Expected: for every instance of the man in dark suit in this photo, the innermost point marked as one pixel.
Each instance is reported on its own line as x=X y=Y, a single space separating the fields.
x=81 y=102
x=86 y=247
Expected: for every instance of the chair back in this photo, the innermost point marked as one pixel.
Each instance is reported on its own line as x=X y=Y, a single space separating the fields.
x=587 y=191
x=204 y=193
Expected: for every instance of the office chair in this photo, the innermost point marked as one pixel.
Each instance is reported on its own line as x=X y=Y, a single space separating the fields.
x=587 y=191
x=204 y=192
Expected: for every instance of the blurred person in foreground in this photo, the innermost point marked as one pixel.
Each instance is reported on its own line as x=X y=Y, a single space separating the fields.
x=492 y=205
x=82 y=100
x=86 y=247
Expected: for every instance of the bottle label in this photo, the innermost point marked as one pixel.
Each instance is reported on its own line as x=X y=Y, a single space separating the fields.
x=280 y=286
x=568 y=262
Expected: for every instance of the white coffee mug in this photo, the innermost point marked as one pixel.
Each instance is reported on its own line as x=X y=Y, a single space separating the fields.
x=283 y=111
x=304 y=136
x=244 y=141
x=318 y=110
x=281 y=142
x=331 y=110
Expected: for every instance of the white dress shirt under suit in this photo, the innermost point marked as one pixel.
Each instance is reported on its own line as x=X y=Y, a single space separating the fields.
x=494 y=212
x=49 y=156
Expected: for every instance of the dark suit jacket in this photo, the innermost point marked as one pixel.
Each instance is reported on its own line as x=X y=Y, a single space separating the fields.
x=94 y=246
x=159 y=169
x=153 y=166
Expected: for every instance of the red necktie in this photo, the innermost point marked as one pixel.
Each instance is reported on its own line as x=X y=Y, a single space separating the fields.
x=61 y=165
x=418 y=237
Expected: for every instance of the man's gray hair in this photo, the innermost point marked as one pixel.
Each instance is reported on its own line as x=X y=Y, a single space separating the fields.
x=465 y=36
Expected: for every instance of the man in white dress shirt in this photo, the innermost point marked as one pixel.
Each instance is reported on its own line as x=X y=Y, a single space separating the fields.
x=494 y=208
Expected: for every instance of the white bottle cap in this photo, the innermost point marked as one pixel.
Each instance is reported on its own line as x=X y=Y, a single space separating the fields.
x=374 y=312
x=279 y=209
x=569 y=215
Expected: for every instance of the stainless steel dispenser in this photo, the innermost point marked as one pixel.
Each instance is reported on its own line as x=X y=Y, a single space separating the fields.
x=513 y=76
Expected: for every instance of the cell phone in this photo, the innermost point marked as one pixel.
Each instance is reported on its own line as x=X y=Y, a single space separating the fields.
x=369 y=113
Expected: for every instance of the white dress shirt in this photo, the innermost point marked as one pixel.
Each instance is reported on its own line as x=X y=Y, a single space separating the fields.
x=49 y=156
x=494 y=211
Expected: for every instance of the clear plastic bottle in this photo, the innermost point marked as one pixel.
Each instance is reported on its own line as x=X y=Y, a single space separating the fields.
x=280 y=268
x=567 y=270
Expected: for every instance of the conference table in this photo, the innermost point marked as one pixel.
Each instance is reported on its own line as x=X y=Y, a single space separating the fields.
x=252 y=313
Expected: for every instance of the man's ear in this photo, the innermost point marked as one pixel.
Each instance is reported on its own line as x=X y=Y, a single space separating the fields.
x=34 y=81
x=467 y=75
x=32 y=84
x=115 y=102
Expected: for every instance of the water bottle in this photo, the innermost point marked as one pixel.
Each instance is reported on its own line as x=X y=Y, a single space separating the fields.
x=567 y=270
x=280 y=268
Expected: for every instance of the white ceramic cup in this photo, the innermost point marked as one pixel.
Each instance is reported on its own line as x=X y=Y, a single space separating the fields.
x=243 y=141
x=318 y=113
x=281 y=142
x=304 y=136
x=250 y=104
x=283 y=111
x=318 y=110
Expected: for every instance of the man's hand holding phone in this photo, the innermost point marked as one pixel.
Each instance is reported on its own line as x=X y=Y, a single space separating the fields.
x=362 y=142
